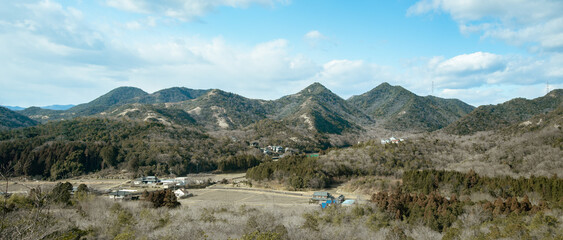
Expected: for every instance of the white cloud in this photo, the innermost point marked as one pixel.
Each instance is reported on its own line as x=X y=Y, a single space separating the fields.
x=467 y=64
x=185 y=10
x=314 y=35
x=517 y=22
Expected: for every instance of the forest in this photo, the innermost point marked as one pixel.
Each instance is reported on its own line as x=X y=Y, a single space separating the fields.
x=64 y=149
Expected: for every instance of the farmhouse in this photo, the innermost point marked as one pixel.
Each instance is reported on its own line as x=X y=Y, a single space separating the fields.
x=321 y=196
x=182 y=193
x=124 y=195
x=146 y=180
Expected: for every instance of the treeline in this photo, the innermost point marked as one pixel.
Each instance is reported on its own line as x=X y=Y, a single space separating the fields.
x=512 y=205
x=295 y=171
x=439 y=212
x=434 y=210
x=426 y=181
x=64 y=149
x=238 y=162
x=375 y=159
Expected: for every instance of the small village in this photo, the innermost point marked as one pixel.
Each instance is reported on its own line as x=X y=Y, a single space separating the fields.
x=274 y=151
x=180 y=186
x=392 y=140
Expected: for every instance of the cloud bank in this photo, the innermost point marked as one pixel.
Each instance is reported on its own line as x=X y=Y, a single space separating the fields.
x=52 y=54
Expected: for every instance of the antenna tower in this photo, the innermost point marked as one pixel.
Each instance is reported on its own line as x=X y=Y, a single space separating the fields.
x=546 y=86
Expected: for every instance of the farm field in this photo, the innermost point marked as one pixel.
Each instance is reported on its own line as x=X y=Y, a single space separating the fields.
x=250 y=198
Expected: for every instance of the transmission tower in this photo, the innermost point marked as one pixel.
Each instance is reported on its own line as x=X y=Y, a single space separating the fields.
x=546 y=86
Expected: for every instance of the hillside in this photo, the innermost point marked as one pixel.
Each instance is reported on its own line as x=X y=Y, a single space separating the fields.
x=223 y=110
x=10 y=119
x=150 y=113
x=170 y=95
x=400 y=109
x=493 y=117
x=116 y=97
x=64 y=149
x=317 y=108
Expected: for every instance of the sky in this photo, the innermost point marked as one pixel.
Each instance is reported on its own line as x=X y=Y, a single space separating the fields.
x=479 y=51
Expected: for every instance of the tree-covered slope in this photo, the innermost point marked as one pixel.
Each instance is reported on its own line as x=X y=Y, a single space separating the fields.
x=223 y=110
x=317 y=108
x=493 y=117
x=64 y=149
x=10 y=119
x=151 y=113
x=116 y=97
x=171 y=95
x=400 y=109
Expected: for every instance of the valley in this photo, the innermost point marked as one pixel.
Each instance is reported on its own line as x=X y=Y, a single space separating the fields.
x=420 y=167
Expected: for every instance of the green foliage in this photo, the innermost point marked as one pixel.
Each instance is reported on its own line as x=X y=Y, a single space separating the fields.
x=238 y=162
x=311 y=222
x=372 y=158
x=115 y=97
x=296 y=171
x=163 y=198
x=433 y=210
x=403 y=110
x=426 y=181
x=10 y=119
x=64 y=149
x=494 y=117
x=61 y=193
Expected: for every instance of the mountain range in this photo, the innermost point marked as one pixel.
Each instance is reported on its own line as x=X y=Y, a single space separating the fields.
x=314 y=109
x=10 y=119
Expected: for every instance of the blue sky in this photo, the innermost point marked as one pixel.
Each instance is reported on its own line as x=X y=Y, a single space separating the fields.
x=482 y=52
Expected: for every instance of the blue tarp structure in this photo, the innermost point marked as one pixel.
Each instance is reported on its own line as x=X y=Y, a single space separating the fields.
x=324 y=205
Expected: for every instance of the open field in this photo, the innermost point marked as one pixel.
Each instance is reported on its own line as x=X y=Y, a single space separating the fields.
x=250 y=198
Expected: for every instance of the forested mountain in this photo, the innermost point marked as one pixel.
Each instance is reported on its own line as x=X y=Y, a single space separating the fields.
x=10 y=119
x=218 y=109
x=170 y=95
x=151 y=113
x=400 y=109
x=493 y=117
x=116 y=97
x=317 y=108
x=64 y=149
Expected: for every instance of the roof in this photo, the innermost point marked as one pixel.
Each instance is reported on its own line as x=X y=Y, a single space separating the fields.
x=120 y=193
x=182 y=190
x=321 y=194
x=349 y=202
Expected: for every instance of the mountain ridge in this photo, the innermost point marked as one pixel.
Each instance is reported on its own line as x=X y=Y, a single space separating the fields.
x=10 y=119
x=400 y=109
x=492 y=117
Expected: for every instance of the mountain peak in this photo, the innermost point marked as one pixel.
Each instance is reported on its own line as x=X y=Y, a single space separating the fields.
x=315 y=88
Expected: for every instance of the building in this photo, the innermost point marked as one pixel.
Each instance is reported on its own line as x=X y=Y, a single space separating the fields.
x=348 y=202
x=182 y=193
x=321 y=196
x=146 y=180
x=278 y=149
x=124 y=195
